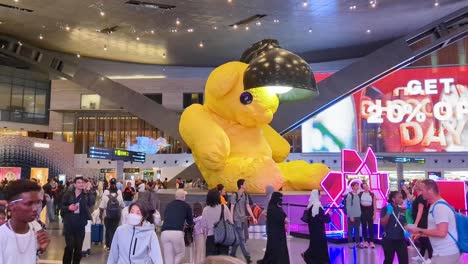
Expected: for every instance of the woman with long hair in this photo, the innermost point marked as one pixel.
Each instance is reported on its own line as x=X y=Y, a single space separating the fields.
x=277 y=247
x=211 y=214
x=136 y=242
x=199 y=233
x=318 y=246
x=394 y=237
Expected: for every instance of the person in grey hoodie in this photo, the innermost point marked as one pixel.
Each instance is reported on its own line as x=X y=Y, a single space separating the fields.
x=353 y=210
x=136 y=242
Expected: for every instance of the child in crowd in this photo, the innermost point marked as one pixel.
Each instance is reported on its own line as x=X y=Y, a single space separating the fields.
x=199 y=235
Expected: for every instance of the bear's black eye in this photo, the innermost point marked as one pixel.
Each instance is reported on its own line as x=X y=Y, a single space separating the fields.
x=246 y=98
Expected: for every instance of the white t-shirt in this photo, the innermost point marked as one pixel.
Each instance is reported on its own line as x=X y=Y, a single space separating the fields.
x=9 y=243
x=366 y=199
x=443 y=214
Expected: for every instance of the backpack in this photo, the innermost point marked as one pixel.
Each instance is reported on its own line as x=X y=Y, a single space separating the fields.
x=113 y=208
x=343 y=202
x=462 y=227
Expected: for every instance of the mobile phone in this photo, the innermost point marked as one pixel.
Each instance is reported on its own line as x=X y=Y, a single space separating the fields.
x=36 y=226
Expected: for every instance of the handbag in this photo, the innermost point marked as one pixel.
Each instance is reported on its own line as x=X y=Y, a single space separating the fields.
x=306 y=216
x=224 y=232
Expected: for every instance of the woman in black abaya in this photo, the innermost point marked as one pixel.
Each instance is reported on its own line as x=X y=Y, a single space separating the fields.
x=317 y=253
x=277 y=248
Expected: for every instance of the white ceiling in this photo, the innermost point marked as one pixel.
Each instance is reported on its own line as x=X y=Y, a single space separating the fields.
x=337 y=30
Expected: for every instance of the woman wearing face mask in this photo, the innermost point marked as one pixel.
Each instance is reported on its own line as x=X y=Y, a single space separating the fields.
x=136 y=242
x=277 y=247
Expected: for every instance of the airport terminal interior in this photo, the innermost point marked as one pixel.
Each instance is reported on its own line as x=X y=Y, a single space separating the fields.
x=328 y=130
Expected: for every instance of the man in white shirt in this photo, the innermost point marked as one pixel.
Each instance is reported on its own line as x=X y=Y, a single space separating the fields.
x=441 y=226
x=20 y=240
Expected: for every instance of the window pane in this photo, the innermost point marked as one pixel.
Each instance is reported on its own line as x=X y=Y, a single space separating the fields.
x=90 y=101
x=28 y=101
x=17 y=98
x=40 y=104
x=5 y=90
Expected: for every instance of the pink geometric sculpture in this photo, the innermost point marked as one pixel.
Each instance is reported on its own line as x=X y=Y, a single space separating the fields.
x=353 y=168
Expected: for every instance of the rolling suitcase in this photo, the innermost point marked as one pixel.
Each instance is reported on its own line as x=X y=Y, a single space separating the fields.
x=86 y=249
x=97 y=233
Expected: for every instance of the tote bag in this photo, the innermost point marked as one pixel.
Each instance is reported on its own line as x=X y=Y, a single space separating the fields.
x=225 y=232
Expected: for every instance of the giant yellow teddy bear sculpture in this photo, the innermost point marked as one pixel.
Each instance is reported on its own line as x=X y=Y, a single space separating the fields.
x=230 y=140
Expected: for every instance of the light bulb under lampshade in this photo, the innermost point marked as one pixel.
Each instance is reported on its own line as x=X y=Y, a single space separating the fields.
x=279 y=70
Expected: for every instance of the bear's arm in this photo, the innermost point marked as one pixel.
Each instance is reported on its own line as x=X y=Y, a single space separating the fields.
x=279 y=146
x=207 y=140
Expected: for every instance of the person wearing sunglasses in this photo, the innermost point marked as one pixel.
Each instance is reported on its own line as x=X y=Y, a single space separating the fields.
x=22 y=239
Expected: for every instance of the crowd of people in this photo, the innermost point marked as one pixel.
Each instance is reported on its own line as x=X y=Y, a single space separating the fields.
x=130 y=214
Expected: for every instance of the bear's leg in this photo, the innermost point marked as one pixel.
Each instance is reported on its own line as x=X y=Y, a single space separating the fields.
x=298 y=175
x=258 y=173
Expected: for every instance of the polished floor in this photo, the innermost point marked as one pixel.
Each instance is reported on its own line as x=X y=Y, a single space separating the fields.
x=340 y=254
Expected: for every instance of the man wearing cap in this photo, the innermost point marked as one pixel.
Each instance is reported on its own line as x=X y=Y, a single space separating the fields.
x=176 y=215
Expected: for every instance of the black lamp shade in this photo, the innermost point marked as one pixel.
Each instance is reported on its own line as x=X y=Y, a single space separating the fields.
x=270 y=65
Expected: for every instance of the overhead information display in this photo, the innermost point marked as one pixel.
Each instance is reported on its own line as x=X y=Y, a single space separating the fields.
x=116 y=154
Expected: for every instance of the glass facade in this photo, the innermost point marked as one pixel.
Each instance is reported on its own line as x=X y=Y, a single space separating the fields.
x=24 y=100
x=111 y=130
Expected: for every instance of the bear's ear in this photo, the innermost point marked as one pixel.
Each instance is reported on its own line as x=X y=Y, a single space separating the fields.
x=224 y=78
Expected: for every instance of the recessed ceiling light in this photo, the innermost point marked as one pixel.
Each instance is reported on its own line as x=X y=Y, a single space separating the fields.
x=353 y=7
x=215 y=27
x=234 y=27
x=310 y=30
x=67 y=28
x=247 y=28
x=275 y=20
x=305 y=4
x=436 y=4
x=78 y=55
x=20 y=43
x=105 y=47
x=229 y=1
x=177 y=21
x=258 y=23
x=201 y=45
x=138 y=38
x=16 y=1
x=190 y=30
x=152 y=31
x=102 y=13
x=41 y=37
x=164 y=55
x=368 y=31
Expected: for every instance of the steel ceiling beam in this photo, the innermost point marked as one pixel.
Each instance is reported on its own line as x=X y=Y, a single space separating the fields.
x=373 y=67
x=134 y=102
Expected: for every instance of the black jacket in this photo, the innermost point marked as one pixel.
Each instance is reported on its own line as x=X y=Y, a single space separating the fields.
x=75 y=222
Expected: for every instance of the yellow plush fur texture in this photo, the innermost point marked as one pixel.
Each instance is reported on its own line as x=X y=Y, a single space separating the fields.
x=231 y=141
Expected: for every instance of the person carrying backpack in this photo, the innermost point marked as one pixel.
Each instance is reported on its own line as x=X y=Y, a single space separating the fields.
x=111 y=204
x=368 y=213
x=441 y=226
x=353 y=210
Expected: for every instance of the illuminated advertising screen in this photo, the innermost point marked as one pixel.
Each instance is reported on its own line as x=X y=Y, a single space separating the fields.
x=10 y=173
x=148 y=145
x=411 y=110
x=41 y=174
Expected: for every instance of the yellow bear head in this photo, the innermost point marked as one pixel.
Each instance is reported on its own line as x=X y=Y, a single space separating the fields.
x=223 y=92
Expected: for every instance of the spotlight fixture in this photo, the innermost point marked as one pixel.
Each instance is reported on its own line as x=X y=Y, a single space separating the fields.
x=41 y=37
x=310 y=30
x=279 y=70
x=275 y=20
x=67 y=28
x=78 y=55
x=177 y=21
x=215 y=27
x=234 y=27
x=138 y=38
x=258 y=23
x=353 y=7
x=247 y=28
x=304 y=4
x=436 y=4
x=105 y=47
x=201 y=45
x=102 y=13
x=368 y=31
x=190 y=30
x=152 y=31
x=164 y=55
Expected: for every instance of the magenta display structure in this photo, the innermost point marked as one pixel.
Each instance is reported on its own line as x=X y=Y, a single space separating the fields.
x=336 y=184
